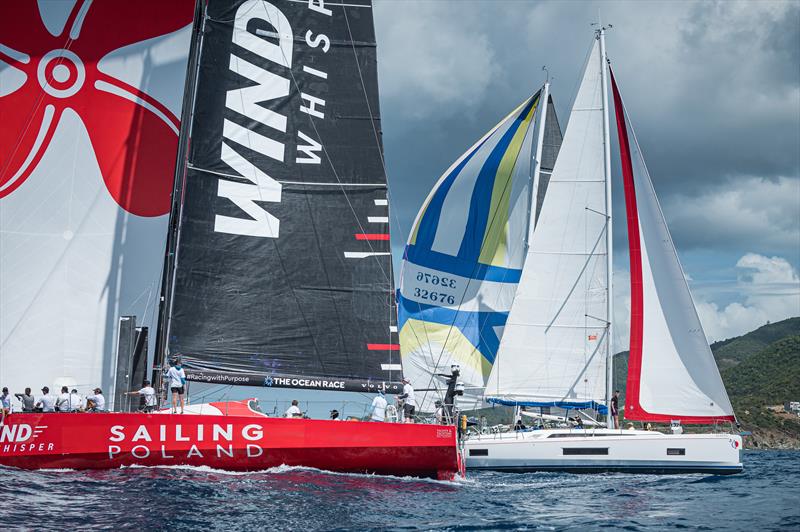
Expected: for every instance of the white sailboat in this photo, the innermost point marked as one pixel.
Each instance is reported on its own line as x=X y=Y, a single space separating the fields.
x=555 y=349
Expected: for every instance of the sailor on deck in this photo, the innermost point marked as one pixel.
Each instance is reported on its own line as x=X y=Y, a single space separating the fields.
x=63 y=401
x=28 y=402
x=46 y=402
x=410 y=403
x=96 y=402
x=293 y=411
x=378 y=408
x=149 y=395
x=177 y=383
x=5 y=405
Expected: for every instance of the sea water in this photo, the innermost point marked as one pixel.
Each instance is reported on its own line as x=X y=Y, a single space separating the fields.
x=765 y=497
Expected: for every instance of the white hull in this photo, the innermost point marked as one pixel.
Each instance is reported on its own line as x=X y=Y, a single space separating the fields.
x=599 y=450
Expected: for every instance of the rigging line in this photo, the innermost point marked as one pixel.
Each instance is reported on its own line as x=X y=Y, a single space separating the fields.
x=330 y=163
x=371 y=116
x=480 y=251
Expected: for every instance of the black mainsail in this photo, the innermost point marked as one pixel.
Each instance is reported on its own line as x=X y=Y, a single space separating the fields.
x=282 y=267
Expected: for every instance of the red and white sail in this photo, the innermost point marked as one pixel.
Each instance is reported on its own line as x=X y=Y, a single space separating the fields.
x=90 y=94
x=672 y=374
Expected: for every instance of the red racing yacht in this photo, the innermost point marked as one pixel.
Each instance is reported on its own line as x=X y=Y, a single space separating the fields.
x=235 y=438
x=270 y=192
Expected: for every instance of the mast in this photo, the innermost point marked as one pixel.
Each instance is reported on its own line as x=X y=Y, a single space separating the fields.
x=170 y=258
x=609 y=244
x=537 y=165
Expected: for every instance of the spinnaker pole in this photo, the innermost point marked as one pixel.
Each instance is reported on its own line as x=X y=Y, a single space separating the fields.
x=609 y=243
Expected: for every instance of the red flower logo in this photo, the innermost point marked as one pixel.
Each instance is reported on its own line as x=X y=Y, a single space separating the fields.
x=134 y=136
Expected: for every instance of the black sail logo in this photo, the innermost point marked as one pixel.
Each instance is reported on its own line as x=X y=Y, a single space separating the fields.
x=274 y=48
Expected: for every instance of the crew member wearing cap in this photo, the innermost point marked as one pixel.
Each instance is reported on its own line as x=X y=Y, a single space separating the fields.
x=149 y=395
x=378 y=407
x=410 y=404
x=96 y=402
x=63 y=401
x=47 y=403
x=335 y=415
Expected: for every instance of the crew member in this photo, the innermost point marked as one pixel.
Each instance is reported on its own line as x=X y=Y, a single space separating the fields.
x=378 y=408
x=46 y=403
x=335 y=415
x=177 y=384
x=63 y=401
x=439 y=413
x=96 y=402
x=5 y=406
x=293 y=411
x=28 y=402
x=76 y=401
x=410 y=404
x=149 y=395
x=615 y=409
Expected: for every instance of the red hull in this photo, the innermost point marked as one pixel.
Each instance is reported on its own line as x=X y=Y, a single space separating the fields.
x=235 y=443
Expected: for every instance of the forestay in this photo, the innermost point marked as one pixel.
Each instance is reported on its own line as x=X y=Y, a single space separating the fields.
x=553 y=348
x=672 y=374
x=464 y=259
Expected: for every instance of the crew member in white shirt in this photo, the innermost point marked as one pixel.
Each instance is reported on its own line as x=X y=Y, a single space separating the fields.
x=410 y=404
x=75 y=401
x=177 y=384
x=62 y=403
x=46 y=402
x=293 y=411
x=96 y=402
x=379 y=405
x=149 y=394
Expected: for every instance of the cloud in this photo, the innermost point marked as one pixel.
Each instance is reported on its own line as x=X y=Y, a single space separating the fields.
x=767 y=288
x=432 y=55
x=770 y=288
x=747 y=213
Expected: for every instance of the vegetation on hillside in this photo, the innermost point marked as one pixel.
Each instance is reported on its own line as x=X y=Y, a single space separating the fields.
x=732 y=351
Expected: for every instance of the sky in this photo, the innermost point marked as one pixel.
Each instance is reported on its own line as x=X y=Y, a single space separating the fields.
x=712 y=88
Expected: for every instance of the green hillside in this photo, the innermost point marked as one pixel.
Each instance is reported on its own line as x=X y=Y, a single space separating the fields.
x=772 y=375
x=732 y=351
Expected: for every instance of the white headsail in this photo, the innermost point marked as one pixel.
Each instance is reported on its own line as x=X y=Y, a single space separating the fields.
x=672 y=374
x=553 y=347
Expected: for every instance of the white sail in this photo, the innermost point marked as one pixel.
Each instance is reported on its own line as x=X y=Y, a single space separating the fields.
x=672 y=373
x=553 y=347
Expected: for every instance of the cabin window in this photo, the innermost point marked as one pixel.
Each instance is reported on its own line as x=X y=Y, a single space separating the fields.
x=479 y=452
x=676 y=452
x=571 y=451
